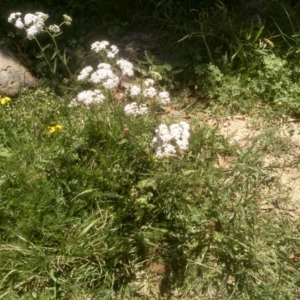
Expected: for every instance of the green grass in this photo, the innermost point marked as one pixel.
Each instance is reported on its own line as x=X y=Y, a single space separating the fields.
x=83 y=210
x=88 y=211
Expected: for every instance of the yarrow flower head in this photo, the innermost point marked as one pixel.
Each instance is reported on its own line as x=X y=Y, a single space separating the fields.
x=181 y=134
x=19 y=24
x=163 y=133
x=88 y=97
x=104 y=66
x=104 y=75
x=85 y=73
x=168 y=138
x=30 y=19
x=98 y=46
x=113 y=51
x=134 y=109
x=126 y=67
x=13 y=17
x=164 y=98
x=149 y=92
x=41 y=16
x=148 y=82
x=67 y=19
x=54 y=28
x=32 y=32
x=33 y=23
x=111 y=83
x=135 y=91
x=100 y=75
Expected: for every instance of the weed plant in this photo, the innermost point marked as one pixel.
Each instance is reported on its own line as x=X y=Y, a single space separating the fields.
x=90 y=199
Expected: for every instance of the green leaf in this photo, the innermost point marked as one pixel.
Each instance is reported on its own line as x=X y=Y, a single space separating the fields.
x=258 y=34
x=88 y=227
x=123 y=141
x=51 y=273
x=54 y=65
x=54 y=54
x=5 y=154
x=188 y=172
x=146 y=183
x=43 y=49
x=65 y=58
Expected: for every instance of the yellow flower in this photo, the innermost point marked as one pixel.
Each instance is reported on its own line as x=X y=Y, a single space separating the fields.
x=4 y=100
x=54 y=128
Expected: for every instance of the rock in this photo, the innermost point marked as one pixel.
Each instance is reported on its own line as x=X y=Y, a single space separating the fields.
x=13 y=75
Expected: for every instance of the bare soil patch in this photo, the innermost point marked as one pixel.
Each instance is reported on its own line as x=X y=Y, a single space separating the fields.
x=280 y=146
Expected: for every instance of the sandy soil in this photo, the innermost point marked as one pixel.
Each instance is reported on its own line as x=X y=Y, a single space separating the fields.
x=245 y=131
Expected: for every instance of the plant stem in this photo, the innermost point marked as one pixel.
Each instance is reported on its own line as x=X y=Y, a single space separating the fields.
x=45 y=57
x=58 y=53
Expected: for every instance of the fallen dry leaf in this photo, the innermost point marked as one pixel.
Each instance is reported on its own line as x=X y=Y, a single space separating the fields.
x=125 y=132
x=169 y=108
x=292 y=214
x=119 y=96
x=295 y=257
x=221 y=161
x=157 y=268
x=243 y=143
x=239 y=117
x=289 y=268
x=271 y=44
x=267 y=207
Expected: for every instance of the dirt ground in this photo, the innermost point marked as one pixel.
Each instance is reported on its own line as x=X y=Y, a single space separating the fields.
x=282 y=152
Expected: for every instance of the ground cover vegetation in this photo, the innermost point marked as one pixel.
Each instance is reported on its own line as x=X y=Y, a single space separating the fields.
x=113 y=192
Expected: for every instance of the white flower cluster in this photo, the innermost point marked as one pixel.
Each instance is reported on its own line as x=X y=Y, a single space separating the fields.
x=148 y=82
x=113 y=51
x=85 y=73
x=126 y=67
x=54 y=28
x=99 y=46
x=164 y=98
x=177 y=133
x=16 y=19
x=135 y=91
x=67 y=19
x=88 y=97
x=33 y=23
x=148 y=92
x=134 y=109
x=104 y=75
x=151 y=92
